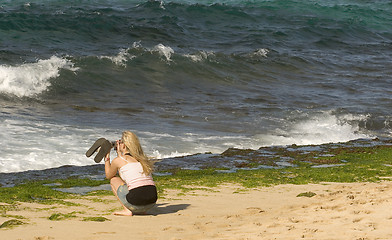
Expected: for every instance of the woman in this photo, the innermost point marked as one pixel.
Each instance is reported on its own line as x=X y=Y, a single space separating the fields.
x=135 y=188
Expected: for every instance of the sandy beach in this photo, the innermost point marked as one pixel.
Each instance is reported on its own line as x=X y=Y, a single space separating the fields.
x=337 y=211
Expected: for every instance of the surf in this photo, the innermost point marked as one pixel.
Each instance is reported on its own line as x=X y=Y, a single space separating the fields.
x=29 y=79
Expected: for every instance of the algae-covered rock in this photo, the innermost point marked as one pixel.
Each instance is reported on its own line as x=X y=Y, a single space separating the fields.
x=11 y=223
x=96 y=219
x=307 y=194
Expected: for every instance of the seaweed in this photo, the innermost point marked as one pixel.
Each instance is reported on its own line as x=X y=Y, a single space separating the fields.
x=11 y=223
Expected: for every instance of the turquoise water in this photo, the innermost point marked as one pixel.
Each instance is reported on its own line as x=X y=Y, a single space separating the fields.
x=189 y=76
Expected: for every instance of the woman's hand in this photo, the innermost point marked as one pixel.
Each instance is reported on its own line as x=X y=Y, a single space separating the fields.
x=118 y=147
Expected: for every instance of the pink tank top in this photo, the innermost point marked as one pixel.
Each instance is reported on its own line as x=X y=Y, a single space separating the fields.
x=133 y=176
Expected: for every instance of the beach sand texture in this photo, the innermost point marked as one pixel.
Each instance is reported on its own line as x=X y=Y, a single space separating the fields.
x=337 y=211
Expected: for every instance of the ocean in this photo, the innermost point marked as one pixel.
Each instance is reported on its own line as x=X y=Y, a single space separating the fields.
x=189 y=76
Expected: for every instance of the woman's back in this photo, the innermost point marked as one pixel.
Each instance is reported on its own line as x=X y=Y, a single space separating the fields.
x=133 y=176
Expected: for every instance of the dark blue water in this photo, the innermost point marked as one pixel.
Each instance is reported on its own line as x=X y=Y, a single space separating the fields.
x=189 y=76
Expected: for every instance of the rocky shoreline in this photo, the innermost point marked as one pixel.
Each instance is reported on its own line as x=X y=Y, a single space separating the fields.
x=230 y=160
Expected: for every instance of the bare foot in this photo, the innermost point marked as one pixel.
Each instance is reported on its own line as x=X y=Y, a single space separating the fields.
x=123 y=213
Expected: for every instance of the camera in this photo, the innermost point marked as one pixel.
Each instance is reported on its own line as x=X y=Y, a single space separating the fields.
x=114 y=145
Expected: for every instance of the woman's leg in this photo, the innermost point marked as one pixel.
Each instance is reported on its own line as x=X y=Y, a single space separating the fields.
x=116 y=182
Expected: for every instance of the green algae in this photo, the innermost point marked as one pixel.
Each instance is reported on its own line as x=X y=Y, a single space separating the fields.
x=8 y=207
x=96 y=219
x=360 y=164
x=62 y=216
x=307 y=194
x=100 y=193
x=11 y=223
x=310 y=164
x=31 y=192
x=43 y=191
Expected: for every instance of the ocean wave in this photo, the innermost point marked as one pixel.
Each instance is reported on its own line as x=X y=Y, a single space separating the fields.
x=200 y=76
x=46 y=149
x=164 y=51
x=207 y=25
x=121 y=58
x=262 y=52
x=317 y=128
x=169 y=55
x=45 y=76
x=200 y=56
x=29 y=79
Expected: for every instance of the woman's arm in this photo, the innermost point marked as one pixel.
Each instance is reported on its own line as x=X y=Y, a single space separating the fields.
x=110 y=168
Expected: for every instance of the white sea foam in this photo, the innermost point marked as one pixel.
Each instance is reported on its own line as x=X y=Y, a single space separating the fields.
x=157 y=155
x=29 y=144
x=31 y=78
x=317 y=129
x=137 y=44
x=164 y=51
x=200 y=56
x=262 y=52
x=121 y=58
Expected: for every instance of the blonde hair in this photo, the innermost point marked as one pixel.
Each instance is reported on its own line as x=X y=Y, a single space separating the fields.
x=132 y=144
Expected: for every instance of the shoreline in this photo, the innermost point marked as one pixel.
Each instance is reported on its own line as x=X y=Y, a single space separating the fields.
x=231 y=160
x=336 y=211
x=331 y=191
